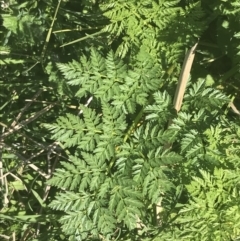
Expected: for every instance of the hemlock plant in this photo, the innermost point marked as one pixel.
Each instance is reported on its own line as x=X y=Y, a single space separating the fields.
x=120 y=170
x=131 y=167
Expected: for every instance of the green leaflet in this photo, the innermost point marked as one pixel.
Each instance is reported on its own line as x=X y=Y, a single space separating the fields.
x=110 y=180
x=118 y=168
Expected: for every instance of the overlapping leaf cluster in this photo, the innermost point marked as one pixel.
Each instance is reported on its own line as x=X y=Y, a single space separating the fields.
x=128 y=167
x=131 y=168
x=111 y=181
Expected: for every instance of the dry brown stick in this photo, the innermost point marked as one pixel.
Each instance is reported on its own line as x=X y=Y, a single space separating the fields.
x=4 y=183
x=51 y=147
x=5 y=236
x=178 y=98
x=2 y=176
x=47 y=189
x=25 y=162
x=69 y=106
x=48 y=102
x=234 y=108
x=25 y=122
x=25 y=108
x=182 y=83
x=183 y=78
x=35 y=142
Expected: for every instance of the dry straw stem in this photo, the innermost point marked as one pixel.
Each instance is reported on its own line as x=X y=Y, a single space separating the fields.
x=183 y=78
x=234 y=108
x=178 y=98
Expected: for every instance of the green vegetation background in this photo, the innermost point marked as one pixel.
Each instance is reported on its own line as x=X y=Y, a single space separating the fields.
x=86 y=91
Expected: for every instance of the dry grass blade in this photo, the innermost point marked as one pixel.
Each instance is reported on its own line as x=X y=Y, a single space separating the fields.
x=178 y=98
x=234 y=108
x=182 y=82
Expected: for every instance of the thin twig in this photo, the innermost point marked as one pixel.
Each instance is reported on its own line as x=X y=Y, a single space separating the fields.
x=51 y=147
x=83 y=38
x=25 y=162
x=25 y=108
x=27 y=121
x=47 y=188
x=48 y=102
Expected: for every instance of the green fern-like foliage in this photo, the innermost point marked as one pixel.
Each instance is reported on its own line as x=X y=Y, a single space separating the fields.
x=98 y=169
x=212 y=212
x=110 y=80
x=124 y=156
x=114 y=178
x=153 y=25
x=130 y=168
